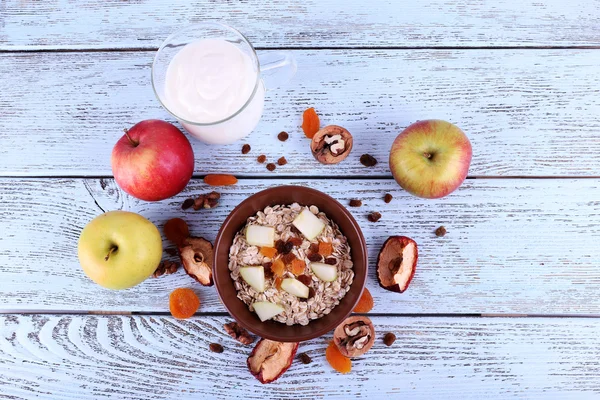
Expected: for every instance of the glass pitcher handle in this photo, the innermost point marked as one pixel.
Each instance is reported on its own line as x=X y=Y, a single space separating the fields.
x=277 y=68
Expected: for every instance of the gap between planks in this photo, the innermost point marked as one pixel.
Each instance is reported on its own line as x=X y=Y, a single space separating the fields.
x=300 y=177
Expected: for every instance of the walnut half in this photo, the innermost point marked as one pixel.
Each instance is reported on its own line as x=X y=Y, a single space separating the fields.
x=331 y=144
x=355 y=336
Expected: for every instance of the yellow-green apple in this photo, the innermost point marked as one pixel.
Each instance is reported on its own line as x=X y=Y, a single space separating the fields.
x=119 y=249
x=153 y=160
x=430 y=158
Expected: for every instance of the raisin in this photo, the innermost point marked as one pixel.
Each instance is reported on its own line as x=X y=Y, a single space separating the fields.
x=311 y=293
x=271 y=167
x=246 y=149
x=288 y=258
x=337 y=360
x=315 y=257
x=283 y=136
x=305 y=279
x=183 y=303
x=281 y=161
x=330 y=261
x=310 y=122
x=220 y=179
x=440 y=232
x=287 y=247
x=215 y=348
x=187 y=204
x=355 y=203
x=368 y=160
x=267 y=269
x=314 y=248
x=305 y=358
x=374 y=216
x=365 y=303
x=176 y=230
x=295 y=241
x=387 y=198
x=261 y=159
x=279 y=245
x=389 y=339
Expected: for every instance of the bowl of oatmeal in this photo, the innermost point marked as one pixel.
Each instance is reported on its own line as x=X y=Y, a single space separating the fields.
x=290 y=263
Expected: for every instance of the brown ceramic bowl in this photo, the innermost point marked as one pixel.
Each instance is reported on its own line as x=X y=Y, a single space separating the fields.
x=237 y=219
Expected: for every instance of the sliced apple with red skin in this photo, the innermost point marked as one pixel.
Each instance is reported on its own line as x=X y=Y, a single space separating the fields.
x=270 y=359
x=397 y=263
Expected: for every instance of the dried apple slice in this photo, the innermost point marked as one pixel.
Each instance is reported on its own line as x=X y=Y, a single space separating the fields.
x=295 y=287
x=307 y=223
x=270 y=359
x=397 y=263
x=254 y=276
x=196 y=255
x=266 y=310
x=263 y=236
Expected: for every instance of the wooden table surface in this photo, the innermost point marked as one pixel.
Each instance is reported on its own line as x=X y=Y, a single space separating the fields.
x=505 y=305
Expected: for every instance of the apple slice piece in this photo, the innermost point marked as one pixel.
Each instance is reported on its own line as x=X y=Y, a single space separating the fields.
x=266 y=310
x=255 y=277
x=257 y=235
x=269 y=359
x=308 y=224
x=324 y=272
x=295 y=287
x=396 y=263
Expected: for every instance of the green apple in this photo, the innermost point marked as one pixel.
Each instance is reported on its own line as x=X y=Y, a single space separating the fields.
x=119 y=249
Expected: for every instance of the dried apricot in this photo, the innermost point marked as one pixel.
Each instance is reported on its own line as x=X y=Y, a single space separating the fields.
x=183 y=303
x=365 y=304
x=298 y=267
x=278 y=267
x=310 y=122
x=220 y=179
x=337 y=360
x=176 y=230
x=325 y=249
x=278 y=281
x=268 y=251
x=288 y=258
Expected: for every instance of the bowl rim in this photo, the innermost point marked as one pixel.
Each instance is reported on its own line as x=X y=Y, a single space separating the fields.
x=266 y=332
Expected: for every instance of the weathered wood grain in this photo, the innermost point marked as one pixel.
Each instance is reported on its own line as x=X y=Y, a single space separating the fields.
x=526 y=112
x=513 y=246
x=59 y=24
x=155 y=357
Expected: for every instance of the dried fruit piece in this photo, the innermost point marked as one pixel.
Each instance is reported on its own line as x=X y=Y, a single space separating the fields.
x=268 y=272
x=278 y=267
x=331 y=145
x=440 y=232
x=183 y=303
x=278 y=281
x=281 y=161
x=397 y=263
x=389 y=339
x=238 y=333
x=283 y=136
x=220 y=179
x=315 y=257
x=387 y=198
x=176 y=230
x=215 y=348
x=298 y=267
x=246 y=149
x=271 y=167
x=261 y=159
x=355 y=336
x=368 y=160
x=187 y=203
x=268 y=251
x=374 y=216
x=196 y=255
x=314 y=248
x=310 y=122
x=288 y=258
x=365 y=303
x=355 y=203
x=337 y=360
x=304 y=358
x=295 y=241
x=165 y=268
x=305 y=279
x=270 y=359
x=325 y=249
x=331 y=261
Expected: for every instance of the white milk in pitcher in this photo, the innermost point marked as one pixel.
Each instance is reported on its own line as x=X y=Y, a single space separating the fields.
x=211 y=80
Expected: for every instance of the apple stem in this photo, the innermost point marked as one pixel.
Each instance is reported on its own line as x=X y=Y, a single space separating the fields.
x=112 y=250
x=133 y=142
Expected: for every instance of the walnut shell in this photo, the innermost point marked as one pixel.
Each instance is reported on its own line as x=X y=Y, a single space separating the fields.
x=355 y=336
x=196 y=255
x=331 y=144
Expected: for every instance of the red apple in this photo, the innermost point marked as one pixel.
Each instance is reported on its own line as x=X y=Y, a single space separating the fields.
x=153 y=160
x=430 y=158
